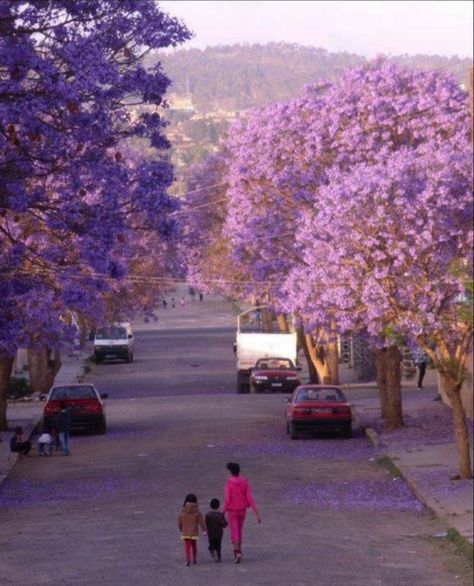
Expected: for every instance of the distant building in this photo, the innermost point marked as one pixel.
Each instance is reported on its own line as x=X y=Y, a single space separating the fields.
x=181 y=103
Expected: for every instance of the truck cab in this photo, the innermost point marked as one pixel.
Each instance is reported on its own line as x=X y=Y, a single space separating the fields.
x=114 y=341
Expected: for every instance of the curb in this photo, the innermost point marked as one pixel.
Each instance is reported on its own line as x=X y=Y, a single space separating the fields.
x=430 y=503
x=434 y=506
x=370 y=434
x=31 y=427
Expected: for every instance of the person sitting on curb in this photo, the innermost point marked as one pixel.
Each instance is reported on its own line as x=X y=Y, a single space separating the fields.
x=18 y=445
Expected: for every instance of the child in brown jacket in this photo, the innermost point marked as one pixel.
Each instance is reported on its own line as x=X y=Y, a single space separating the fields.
x=189 y=520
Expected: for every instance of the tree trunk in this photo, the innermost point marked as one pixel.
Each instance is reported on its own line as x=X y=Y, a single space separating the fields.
x=332 y=356
x=394 y=417
x=318 y=358
x=283 y=324
x=6 y=365
x=267 y=321
x=461 y=433
x=381 y=377
x=313 y=373
x=43 y=367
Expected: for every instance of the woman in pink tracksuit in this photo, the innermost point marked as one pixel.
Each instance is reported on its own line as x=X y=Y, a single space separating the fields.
x=238 y=498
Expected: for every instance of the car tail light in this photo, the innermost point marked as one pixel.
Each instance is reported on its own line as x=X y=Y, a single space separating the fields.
x=341 y=410
x=50 y=409
x=93 y=408
x=301 y=411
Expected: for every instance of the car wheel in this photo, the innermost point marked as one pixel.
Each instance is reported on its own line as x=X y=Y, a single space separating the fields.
x=128 y=358
x=293 y=431
x=347 y=431
x=287 y=427
x=131 y=357
x=97 y=360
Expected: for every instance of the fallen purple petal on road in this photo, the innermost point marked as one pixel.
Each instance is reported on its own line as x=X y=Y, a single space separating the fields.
x=370 y=495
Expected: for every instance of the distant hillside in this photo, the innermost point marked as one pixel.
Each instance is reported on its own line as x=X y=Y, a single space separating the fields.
x=212 y=87
x=238 y=77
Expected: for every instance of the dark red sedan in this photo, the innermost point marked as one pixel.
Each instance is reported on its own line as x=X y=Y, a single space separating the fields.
x=270 y=375
x=84 y=403
x=318 y=407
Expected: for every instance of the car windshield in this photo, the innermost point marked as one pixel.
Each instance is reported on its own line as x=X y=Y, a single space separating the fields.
x=329 y=394
x=62 y=393
x=111 y=333
x=274 y=363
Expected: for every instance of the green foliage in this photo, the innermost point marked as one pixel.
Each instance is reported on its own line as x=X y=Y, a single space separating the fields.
x=18 y=388
x=461 y=544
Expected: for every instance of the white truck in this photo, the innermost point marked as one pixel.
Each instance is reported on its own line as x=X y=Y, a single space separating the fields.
x=250 y=346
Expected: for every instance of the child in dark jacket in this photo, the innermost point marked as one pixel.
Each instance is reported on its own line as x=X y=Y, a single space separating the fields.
x=215 y=524
x=189 y=520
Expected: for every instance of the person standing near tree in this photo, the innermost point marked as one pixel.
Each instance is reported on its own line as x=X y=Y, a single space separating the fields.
x=421 y=362
x=238 y=498
x=63 y=427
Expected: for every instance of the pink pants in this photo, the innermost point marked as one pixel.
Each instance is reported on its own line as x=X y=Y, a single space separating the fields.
x=236 y=524
x=190 y=546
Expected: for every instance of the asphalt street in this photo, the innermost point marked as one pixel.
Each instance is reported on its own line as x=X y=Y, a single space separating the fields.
x=107 y=514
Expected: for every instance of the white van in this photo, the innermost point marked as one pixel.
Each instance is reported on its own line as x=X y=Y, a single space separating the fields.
x=113 y=341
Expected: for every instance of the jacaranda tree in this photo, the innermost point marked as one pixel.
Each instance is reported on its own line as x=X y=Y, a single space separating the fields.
x=70 y=71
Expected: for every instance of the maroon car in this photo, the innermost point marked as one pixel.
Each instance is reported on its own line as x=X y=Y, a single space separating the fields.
x=84 y=403
x=318 y=407
x=270 y=375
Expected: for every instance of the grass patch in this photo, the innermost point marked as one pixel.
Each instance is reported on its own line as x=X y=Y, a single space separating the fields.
x=387 y=463
x=461 y=544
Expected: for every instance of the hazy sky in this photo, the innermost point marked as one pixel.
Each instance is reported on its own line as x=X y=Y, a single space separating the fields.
x=366 y=28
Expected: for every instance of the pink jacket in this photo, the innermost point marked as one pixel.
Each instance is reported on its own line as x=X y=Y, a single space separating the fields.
x=238 y=495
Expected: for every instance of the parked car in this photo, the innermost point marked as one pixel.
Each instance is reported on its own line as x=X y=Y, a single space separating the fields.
x=84 y=403
x=114 y=341
x=318 y=407
x=274 y=375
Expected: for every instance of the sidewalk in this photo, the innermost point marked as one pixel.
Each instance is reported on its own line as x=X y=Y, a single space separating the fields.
x=28 y=414
x=424 y=451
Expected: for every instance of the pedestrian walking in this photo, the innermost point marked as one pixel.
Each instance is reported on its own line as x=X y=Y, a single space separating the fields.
x=165 y=303
x=182 y=302
x=201 y=296
x=18 y=444
x=189 y=520
x=421 y=362
x=238 y=498
x=173 y=302
x=63 y=427
x=192 y=293
x=215 y=523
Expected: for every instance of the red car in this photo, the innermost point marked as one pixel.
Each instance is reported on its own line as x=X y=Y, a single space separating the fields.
x=274 y=375
x=85 y=405
x=318 y=407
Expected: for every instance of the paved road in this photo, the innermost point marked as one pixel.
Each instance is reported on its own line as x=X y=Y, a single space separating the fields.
x=107 y=514
x=187 y=351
